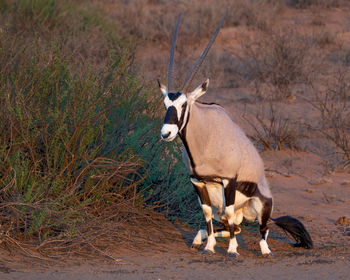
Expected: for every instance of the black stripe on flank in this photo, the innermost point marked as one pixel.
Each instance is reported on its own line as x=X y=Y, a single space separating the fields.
x=251 y=189
x=174 y=96
x=247 y=188
x=171 y=116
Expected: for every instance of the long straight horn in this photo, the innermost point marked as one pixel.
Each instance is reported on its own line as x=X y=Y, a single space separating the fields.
x=171 y=57
x=195 y=68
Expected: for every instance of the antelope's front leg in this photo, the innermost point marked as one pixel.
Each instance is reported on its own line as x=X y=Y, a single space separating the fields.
x=230 y=196
x=206 y=207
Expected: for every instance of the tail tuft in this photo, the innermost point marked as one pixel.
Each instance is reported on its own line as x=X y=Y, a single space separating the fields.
x=296 y=229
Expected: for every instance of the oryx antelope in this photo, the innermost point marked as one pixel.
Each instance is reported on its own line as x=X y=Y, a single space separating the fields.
x=225 y=168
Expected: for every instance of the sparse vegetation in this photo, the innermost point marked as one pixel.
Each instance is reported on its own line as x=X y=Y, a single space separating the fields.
x=333 y=105
x=154 y=22
x=323 y=38
x=276 y=62
x=272 y=130
x=303 y=4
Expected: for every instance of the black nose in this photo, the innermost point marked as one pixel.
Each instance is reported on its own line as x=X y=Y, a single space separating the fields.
x=164 y=136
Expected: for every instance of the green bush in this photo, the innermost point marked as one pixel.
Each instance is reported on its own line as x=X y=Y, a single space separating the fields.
x=79 y=134
x=55 y=121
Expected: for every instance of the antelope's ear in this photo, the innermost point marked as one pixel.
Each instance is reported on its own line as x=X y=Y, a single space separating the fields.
x=162 y=88
x=198 y=92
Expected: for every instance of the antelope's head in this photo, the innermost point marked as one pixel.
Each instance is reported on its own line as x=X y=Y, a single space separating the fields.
x=177 y=103
x=177 y=107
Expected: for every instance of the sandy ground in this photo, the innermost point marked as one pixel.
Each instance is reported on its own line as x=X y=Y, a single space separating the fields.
x=176 y=261
x=183 y=264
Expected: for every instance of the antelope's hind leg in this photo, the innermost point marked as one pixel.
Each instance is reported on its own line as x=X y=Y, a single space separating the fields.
x=230 y=196
x=263 y=216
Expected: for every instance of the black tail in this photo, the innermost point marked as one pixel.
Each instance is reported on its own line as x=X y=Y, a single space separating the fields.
x=296 y=230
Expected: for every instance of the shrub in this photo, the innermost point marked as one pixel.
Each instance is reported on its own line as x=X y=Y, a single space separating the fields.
x=60 y=176
x=154 y=22
x=324 y=38
x=276 y=60
x=56 y=170
x=272 y=130
x=332 y=102
x=79 y=134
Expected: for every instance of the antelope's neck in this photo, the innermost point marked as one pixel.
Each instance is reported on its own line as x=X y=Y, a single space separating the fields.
x=192 y=136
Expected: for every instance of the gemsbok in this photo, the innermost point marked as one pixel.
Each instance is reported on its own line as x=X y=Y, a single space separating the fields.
x=225 y=168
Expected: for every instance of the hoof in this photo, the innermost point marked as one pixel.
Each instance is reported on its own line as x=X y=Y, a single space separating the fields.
x=233 y=255
x=207 y=252
x=195 y=246
x=269 y=255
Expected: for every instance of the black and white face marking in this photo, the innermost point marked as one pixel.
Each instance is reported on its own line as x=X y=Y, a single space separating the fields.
x=176 y=113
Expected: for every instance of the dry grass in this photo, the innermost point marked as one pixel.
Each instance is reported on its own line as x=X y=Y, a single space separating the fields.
x=303 y=4
x=275 y=61
x=272 y=130
x=154 y=20
x=332 y=102
x=69 y=229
